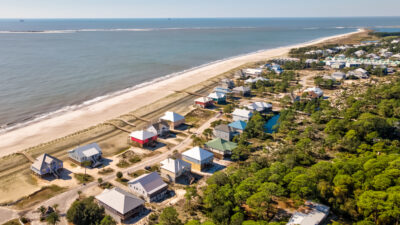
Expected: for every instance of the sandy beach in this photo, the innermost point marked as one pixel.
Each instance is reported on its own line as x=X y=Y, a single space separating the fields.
x=73 y=121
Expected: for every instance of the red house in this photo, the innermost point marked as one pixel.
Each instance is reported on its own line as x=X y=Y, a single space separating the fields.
x=203 y=102
x=143 y=138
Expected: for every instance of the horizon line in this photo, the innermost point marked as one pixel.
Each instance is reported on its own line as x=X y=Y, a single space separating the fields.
x=286 y=17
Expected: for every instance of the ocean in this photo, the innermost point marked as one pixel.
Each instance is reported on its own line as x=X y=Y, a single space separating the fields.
x=48 y=66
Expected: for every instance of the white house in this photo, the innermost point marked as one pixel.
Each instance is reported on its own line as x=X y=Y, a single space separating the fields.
x=255 y=80
x=315 y=91
x=311 y=214
x=173 y=119
x=339 y=75
x=241 y=114
x=360 y=53
x=91 y=153
x=253 y=72
x=361 y=73
x=171 y=169
x=259 y=107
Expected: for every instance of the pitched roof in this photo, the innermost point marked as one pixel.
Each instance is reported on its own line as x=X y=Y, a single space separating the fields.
x=316 y=90
x=174 y=165
x=198 y=153
x=87 y=150
x=259 y=106
x=119 y=200
x=242 y=112
x=216 y=95
x=224 y=128
x=42 y=160
x=151 y=182
x=203 y=99
x=238 y=124
x=142 y=134
x=241 y=89
x=221 y=145
x=172 y=116
x=158 y=125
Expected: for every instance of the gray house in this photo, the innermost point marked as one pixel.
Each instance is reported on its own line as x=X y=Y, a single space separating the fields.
x=120 y=204
x=160 y=128
x=241 y=91
x=47 y=164
x=149 y=186
x=91 y=152
x=224 y=132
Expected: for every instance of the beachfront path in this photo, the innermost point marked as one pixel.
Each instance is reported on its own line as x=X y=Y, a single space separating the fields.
x=64 y=200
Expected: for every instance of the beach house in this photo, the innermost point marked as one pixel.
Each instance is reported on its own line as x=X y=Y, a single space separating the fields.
x=119 y=204
x=203 y=102
x=218 y=97
x=173 y=119
x=46 y=164
x=222 y=148
x=198 y=158
x=255 y=80
x=242 y=114
x=311 y=213
x=314 y=92
x=143 y=138
x=253 y=72
x=88 y=153
x=259 y=107
x=238 y=125
x=227 y=83
x=241 y=91
x=361 y=73
x=172 y=169
x=339 y=75
x=160 y=128
x=223 y=90
x=225 y=132
x=149 y=186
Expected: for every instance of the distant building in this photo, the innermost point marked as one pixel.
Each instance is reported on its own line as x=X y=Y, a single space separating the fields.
x=227 y=83
x=173 y=119
x=314 y=92
x=253 y=72
x=361 y=73
x=311 y=214
x=203 y=102
x=46 y=164
x=255 y=80
x=241 y=91
x=120 y=204
x=143 y=138
x=241 y=114
x=338 y=65
x=198 y=158
x=218 y=97
x=221 y=147
x=339 y=75
x=221 y=89
x=224 y=131
x=171 y=169
x=160 y=128
x=238 y=125
x=150 y=186
x=359 y=53
x=91 y=153
x=259 y=107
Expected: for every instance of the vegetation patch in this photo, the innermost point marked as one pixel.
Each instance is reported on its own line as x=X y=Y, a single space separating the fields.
x=83 y=178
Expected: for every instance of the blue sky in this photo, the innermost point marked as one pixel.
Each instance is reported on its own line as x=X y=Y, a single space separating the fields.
x=195 y=8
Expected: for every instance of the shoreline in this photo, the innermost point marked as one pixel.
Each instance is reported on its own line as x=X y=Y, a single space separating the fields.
x=90 y=113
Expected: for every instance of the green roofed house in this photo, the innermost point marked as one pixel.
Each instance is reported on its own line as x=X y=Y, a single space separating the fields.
x=221 y=147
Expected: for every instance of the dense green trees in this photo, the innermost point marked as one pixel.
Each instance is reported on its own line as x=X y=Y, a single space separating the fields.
x=85 y=212
x=361 y=183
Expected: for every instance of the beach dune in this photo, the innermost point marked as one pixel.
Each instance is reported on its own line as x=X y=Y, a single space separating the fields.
x=69 y=122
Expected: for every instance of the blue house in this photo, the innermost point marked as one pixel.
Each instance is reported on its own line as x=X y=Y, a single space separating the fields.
x=238 y=125
x=47 y=164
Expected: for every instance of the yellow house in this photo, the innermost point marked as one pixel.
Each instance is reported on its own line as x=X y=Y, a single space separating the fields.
x=198 y=158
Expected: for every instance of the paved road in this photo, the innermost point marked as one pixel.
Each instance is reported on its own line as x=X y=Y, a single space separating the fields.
x=64 y=200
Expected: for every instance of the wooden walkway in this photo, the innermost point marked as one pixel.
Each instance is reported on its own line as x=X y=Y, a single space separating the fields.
x=139 y=118
x=130 y=124
x=118 y=127
x=29 y=157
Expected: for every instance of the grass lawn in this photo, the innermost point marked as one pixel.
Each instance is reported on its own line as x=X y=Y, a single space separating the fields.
x=197 y=116
x=137 y=173
x=122 y=180
x=82 y=178
x=44 y=194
